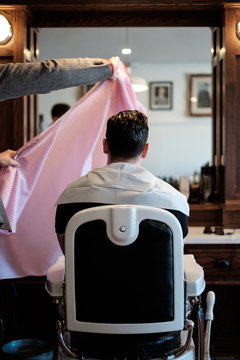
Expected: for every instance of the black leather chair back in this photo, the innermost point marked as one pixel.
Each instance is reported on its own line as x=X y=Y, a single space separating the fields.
x=124 y=284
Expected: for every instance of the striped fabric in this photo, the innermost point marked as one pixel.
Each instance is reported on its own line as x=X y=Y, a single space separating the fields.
x=68 y=149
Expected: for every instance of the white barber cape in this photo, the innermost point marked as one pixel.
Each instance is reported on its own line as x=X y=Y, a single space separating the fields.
x=124 y=183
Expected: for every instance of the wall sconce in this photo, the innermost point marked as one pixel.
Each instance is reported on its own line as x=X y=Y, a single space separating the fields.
x=5 y=30
x=238 y=30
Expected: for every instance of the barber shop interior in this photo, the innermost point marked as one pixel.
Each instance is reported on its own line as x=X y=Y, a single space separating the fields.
x=120 y=180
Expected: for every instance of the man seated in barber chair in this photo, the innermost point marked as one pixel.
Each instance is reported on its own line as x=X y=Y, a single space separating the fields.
x=124 y=302
x=123 y=180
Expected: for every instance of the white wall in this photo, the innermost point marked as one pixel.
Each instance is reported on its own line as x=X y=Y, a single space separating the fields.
x=179 y=144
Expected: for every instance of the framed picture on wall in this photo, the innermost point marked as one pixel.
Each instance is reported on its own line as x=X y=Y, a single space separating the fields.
x=161 y=95
x=200 y=95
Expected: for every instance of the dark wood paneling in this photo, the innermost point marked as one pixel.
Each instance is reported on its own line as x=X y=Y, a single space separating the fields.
x=227 y=214
x=237 y=84
x=18 y=121
x=12 y=110
x=124 y=13
x=231 y=214
x=6 y=116
x=117 y=4
x=220 y=262
x=123 y=19
x=224 y=281
x=205 y=214
x=231 y=125
x=217 y=109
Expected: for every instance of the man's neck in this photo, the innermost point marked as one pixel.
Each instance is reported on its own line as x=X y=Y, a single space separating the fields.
x=133 y=161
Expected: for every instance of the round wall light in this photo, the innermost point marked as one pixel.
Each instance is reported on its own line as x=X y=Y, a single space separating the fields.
x=5 y=30
x=238 y=30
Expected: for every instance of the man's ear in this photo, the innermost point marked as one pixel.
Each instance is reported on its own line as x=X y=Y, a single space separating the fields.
x=105 y=146
x=145 y=150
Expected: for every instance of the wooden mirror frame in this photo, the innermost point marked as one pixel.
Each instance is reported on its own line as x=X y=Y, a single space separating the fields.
x=221 y=17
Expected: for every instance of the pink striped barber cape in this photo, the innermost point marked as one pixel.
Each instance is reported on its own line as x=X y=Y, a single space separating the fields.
x=65 y=151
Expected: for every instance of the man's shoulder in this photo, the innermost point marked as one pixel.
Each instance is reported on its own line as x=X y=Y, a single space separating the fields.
x=78 y=187
x=86 y=179
x=170 y=196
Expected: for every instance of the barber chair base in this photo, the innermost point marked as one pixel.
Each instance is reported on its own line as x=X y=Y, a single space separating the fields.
x=187 y=355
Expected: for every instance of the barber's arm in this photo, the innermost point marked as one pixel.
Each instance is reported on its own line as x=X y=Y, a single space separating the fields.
x=7 y=158
x=19 y=79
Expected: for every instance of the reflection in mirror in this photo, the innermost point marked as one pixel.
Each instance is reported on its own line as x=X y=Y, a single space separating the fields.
x=180 y=142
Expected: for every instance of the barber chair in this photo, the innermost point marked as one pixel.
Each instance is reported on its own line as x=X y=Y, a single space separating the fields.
x=125 y=290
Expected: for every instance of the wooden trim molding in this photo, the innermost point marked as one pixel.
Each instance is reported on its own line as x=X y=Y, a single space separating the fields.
x=206 y=214
x=226 y=215
x=231 y=214
x=82 y=13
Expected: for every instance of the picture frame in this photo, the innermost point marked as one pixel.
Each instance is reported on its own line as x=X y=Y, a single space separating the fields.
x=161 y=95
x=200 y=95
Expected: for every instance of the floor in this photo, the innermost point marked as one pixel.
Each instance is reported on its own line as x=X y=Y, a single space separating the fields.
x=26 y=311
x=47 y=356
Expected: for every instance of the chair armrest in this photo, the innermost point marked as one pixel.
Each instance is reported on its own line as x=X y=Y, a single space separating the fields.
x=194 y=276
x=55 y=278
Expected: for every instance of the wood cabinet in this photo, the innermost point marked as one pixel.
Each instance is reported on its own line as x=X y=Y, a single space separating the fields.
x=19 y=117
x=221 y=265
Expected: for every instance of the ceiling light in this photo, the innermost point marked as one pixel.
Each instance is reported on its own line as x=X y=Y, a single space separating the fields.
x=139 y=84
x=5 y=30
x=126 y=51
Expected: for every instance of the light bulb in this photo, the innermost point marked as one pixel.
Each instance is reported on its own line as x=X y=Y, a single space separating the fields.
x=126 y=51
x=238 y=30
x=5 y=31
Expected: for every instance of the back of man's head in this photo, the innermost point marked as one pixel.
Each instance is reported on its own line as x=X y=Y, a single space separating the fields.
x=58 y=110
x=126 y=134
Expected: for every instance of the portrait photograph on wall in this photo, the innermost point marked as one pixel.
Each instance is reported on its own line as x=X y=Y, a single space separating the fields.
x=200 y=95
x=161 y=95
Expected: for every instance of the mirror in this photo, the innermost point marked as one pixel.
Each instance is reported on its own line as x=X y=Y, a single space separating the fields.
x=179 y=143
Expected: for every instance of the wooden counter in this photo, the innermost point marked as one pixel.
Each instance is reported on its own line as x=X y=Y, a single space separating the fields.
x=219 y=255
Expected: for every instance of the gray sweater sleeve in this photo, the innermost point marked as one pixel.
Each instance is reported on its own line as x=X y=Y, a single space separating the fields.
x=19 y=79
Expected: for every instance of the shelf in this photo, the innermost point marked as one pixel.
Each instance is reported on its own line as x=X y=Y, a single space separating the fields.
x=205 y=214
x=226 y=215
